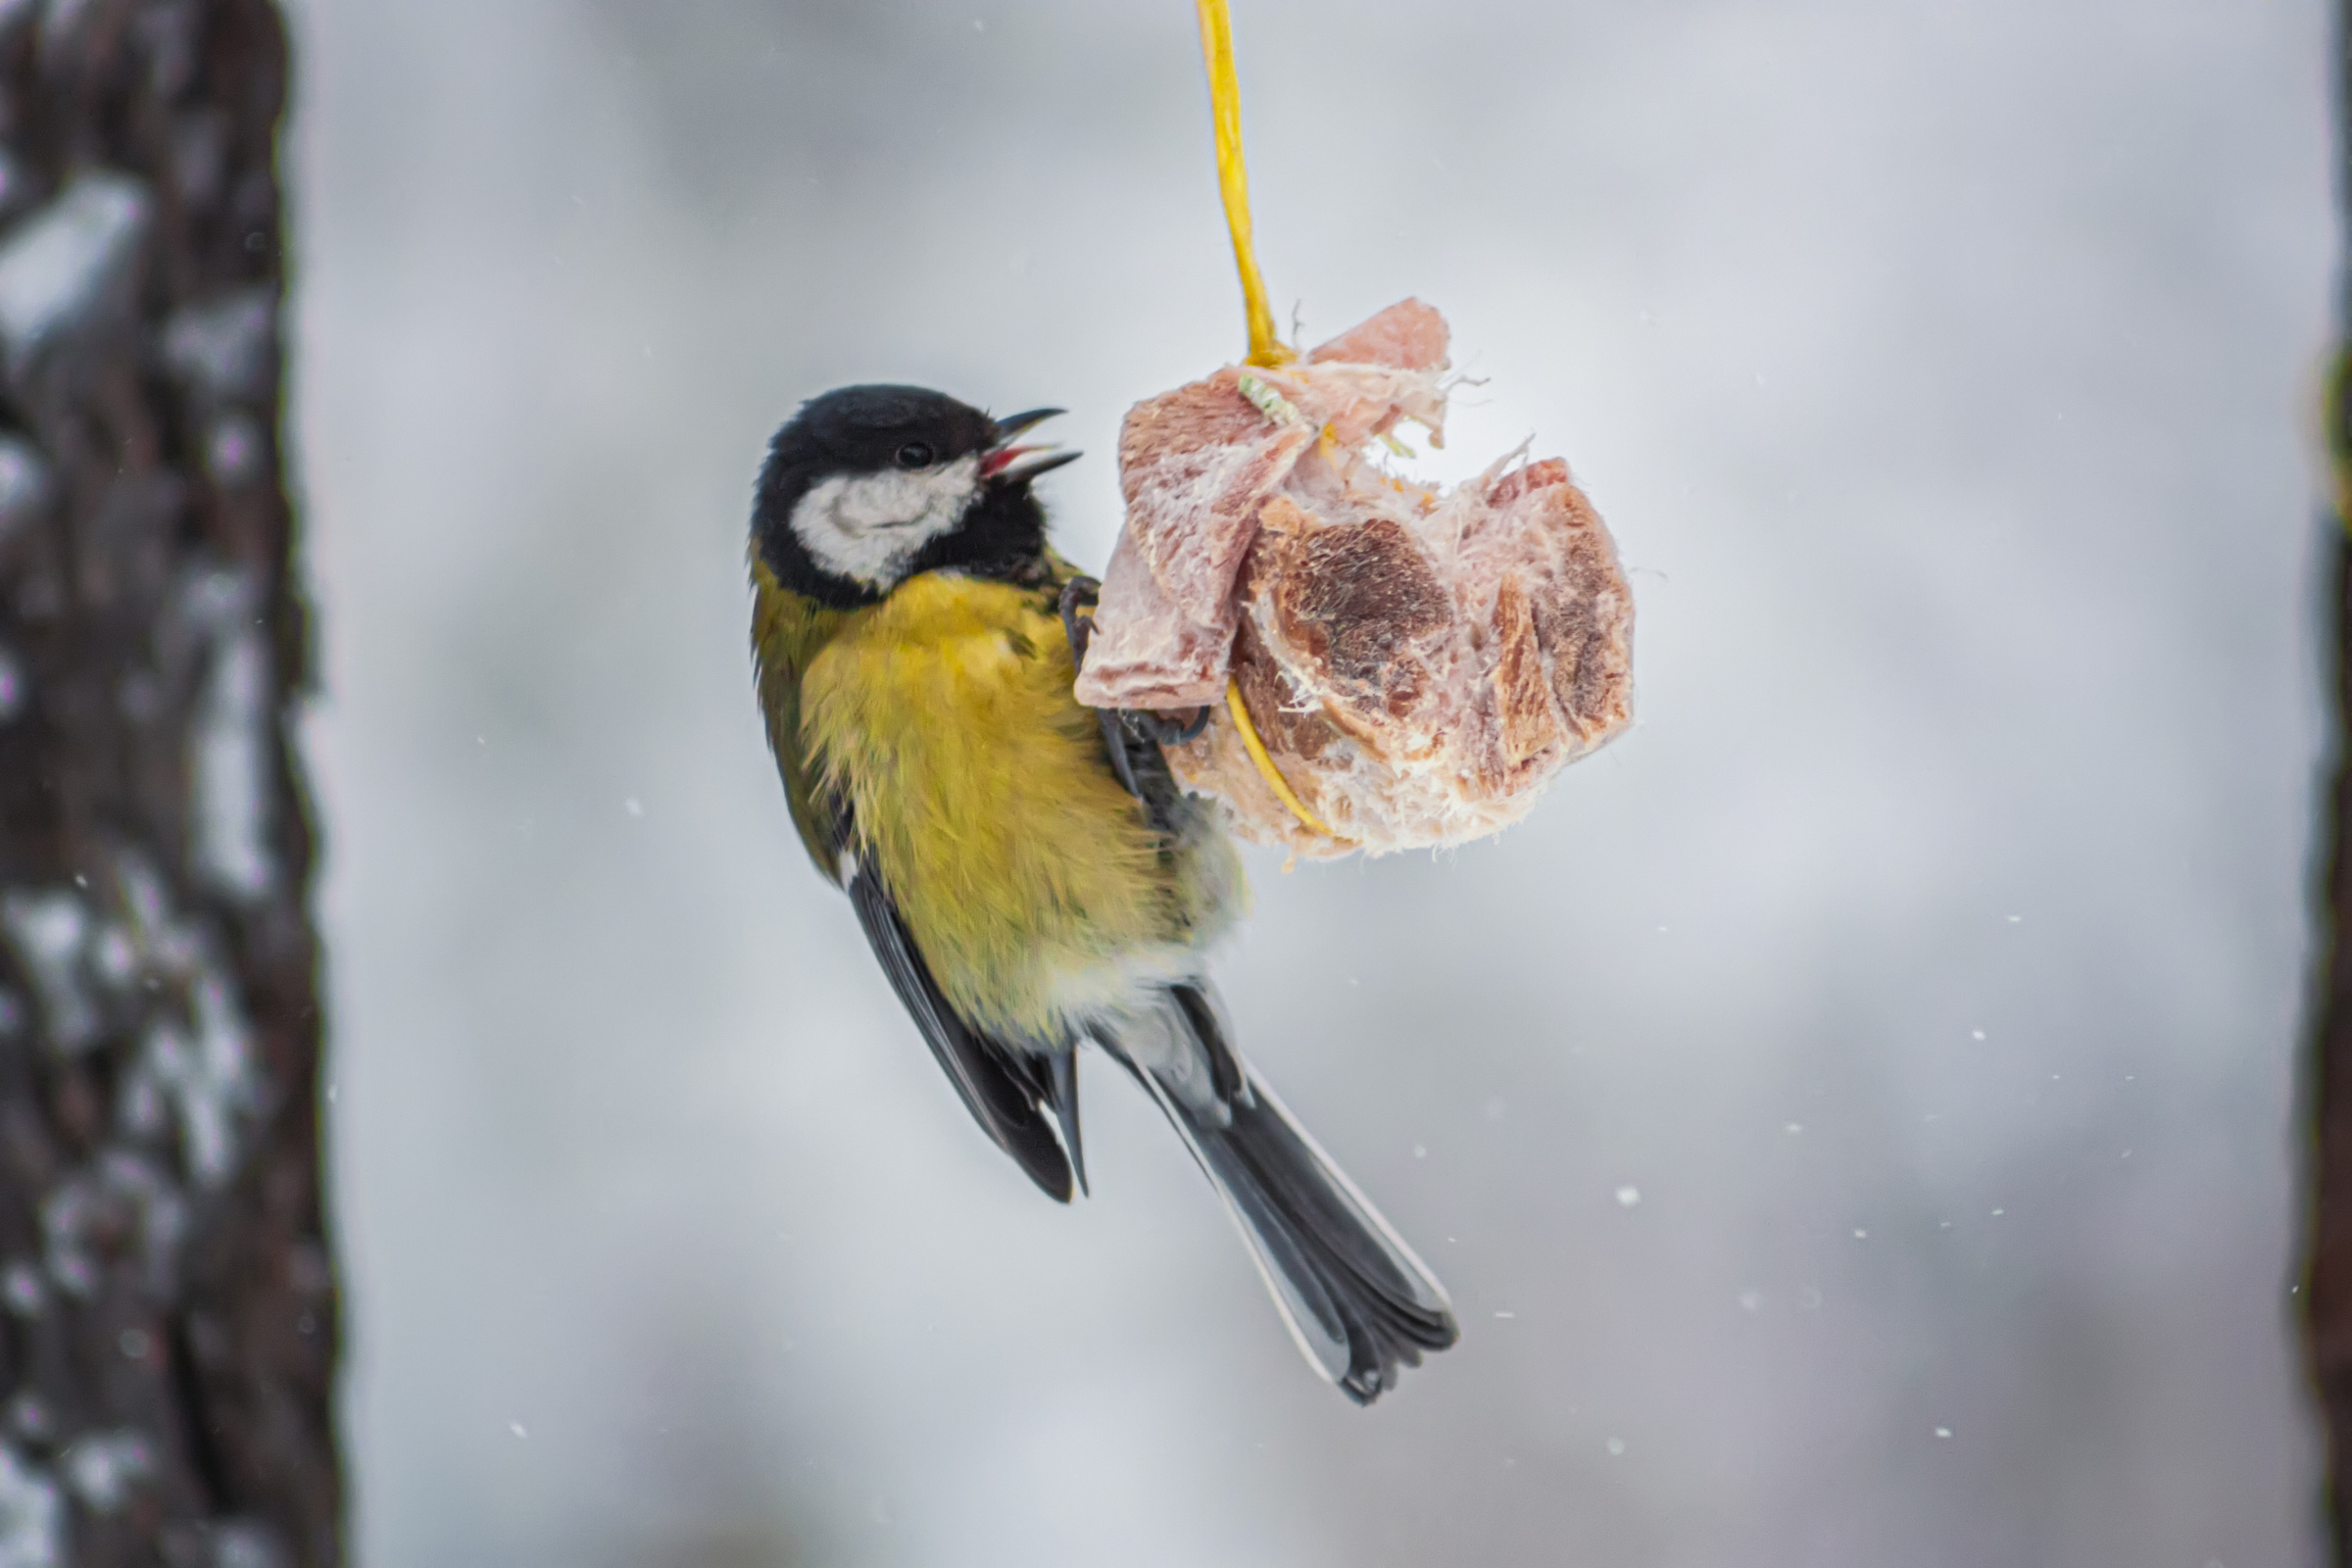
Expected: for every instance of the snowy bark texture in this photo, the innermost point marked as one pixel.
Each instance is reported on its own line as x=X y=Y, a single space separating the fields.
x=167 y=1308
x=2328 y=1281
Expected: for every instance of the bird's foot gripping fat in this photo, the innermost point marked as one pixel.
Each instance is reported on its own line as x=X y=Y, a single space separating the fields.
x=1391 y=665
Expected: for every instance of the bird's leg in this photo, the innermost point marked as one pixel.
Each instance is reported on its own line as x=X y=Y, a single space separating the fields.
x=1114 y=741
x=1080 y=630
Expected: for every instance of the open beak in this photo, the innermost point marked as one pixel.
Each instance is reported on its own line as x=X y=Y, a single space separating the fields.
x=1009 y=463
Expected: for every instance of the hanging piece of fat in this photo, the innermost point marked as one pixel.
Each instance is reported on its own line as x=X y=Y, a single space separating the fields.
x=1417 y=663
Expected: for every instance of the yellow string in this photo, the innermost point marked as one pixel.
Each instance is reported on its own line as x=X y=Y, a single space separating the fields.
x=1266 y=764
x=1265 y=349
x=1232 y=180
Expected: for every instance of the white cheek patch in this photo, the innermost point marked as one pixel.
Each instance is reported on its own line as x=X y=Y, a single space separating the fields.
x=867 y=526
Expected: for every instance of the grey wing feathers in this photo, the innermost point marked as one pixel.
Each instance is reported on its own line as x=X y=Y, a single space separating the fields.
x=1005 y=1088
x=1359 y=1303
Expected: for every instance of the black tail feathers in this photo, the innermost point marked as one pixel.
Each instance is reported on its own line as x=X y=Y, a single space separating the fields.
x=1358 y=1301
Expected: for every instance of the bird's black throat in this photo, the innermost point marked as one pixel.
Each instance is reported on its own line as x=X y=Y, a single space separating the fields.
x=1002 y=537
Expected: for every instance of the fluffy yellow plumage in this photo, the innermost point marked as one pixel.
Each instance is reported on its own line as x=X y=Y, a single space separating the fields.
x=942 y=720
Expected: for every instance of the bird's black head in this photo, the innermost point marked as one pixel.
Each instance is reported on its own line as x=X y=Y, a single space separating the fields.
x=869 y=485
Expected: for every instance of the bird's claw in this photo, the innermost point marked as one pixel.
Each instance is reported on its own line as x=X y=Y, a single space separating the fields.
x=1079 y=629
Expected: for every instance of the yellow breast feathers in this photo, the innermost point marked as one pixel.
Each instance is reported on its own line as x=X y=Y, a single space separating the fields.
x=979 y=789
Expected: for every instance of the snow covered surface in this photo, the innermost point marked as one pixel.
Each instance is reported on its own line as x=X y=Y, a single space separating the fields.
x=57 y=261
x=230 y=745
x=48 y=931
x=1943 y=371
x=223 y=347
x=33 y=1516
x=101 y=1467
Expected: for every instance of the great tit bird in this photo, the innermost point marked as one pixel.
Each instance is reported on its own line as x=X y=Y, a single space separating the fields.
x=1029 y=875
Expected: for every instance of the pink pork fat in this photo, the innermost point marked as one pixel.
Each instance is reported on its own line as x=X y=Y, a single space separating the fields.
x=1417 y=663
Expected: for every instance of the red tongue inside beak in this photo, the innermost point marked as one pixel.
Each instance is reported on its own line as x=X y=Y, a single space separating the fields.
x=1003 y=458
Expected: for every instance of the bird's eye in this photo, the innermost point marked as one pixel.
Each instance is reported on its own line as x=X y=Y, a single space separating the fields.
x=915 y=454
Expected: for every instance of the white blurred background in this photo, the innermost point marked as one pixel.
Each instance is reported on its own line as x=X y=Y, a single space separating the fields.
x=1893 y=1036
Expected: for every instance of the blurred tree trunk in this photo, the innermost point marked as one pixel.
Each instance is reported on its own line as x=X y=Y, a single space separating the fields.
x=167 y=1315
x=2327 y=1280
